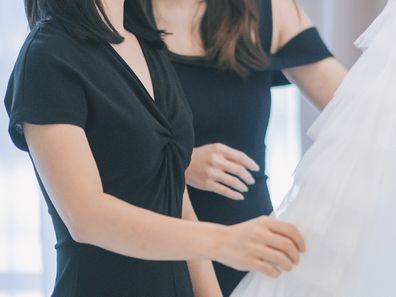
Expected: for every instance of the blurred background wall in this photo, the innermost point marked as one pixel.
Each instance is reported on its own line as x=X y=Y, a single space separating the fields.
x=340 y=22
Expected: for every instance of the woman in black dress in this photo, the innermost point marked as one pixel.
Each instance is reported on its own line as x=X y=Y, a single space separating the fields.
x=228 y=54
x=97 y=105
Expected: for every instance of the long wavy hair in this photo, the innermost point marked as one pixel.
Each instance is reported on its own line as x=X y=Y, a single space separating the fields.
x=230 y=34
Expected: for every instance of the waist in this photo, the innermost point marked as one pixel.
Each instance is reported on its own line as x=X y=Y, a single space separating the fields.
x=215 y=208
x=94 y=272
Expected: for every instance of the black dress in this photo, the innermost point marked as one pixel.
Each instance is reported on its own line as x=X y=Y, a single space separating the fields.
x=235 y=111
x=141 y=148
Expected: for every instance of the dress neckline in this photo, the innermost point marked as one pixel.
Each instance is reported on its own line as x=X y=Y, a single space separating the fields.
x=133 y=73
x=186 y=57
x=152 y=104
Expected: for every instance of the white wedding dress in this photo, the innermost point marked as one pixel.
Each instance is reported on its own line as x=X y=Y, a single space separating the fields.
x=344 y=194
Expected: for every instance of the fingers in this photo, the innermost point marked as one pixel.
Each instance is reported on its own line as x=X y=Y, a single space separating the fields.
x=285 y=246
x=237 y=170
x=224 y=191
x=238 y=156
x=266 y=268
x=278 y=259
x=252 y=246
x=230 y=181
x=289 y=231
x=275 y=258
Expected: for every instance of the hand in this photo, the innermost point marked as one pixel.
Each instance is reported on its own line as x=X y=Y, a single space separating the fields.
x=220 y=169
x=263 y=245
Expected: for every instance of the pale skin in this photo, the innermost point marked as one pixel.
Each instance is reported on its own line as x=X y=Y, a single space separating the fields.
x=97 y=218
x=214 y=167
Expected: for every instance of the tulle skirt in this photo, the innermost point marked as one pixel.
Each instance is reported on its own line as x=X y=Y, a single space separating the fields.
x=344 y=194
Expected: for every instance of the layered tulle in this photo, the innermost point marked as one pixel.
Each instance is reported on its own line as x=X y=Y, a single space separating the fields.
x=344 y=194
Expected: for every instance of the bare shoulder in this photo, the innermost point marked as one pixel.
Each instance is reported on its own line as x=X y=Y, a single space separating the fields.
x=289 y=19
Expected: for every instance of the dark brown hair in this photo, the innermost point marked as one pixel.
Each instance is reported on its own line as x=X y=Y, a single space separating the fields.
x=230 y=34
x=87 y=18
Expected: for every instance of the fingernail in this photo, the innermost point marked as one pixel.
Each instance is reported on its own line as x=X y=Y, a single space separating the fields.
x=241 y=197
x=252 y=181
x=256 y=168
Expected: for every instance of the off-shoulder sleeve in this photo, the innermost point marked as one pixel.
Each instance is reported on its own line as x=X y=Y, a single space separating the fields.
x=44 y=88
x=305 y=48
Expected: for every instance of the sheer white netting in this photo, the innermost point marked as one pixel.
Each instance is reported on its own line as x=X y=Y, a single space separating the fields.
x=344 y=194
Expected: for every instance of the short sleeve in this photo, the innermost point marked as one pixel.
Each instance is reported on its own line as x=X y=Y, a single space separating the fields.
x=44 y=88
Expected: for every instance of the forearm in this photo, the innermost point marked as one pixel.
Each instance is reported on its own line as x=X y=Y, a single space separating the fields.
x=120 y=227
x=204 y=279
x=103 y=220
x=318 y=81
x=202 y=274
x=95 y=218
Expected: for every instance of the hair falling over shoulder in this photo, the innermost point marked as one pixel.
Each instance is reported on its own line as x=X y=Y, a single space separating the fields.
x=86 y=18
x=230 y=33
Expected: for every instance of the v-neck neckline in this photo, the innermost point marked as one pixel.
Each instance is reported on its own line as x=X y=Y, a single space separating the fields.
x=131 y=71
x=154 y=104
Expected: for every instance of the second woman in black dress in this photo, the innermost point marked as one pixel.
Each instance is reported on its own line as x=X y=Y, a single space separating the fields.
x=228 y=54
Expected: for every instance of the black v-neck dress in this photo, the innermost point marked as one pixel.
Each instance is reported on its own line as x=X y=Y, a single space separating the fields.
x=141 y=148
x=235 y=111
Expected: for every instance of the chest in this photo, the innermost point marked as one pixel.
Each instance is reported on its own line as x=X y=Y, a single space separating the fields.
x=131 y=52
x=128 y=131
x=225 y=106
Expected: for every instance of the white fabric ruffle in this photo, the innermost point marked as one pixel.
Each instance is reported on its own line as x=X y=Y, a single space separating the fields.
x=344 y=194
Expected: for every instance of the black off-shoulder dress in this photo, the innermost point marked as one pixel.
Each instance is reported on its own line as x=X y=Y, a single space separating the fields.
x=141 y=148
x=235 y=111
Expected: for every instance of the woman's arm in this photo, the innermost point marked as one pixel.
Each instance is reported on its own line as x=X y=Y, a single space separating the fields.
x=202 y=274
x=62 y=156
x=65 y=163
x=318 y=81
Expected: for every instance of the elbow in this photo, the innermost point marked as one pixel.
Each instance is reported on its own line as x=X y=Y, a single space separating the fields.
x=85 y=223
x=79 y=231
x=82 y=223
x=78 y=235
